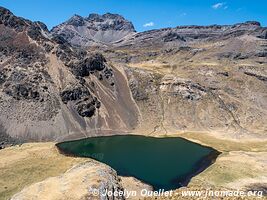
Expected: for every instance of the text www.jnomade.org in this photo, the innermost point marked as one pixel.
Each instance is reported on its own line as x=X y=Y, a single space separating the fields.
x=171 y=193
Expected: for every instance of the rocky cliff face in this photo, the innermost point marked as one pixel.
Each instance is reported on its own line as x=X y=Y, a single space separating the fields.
x=94 y=30
x=50 y=90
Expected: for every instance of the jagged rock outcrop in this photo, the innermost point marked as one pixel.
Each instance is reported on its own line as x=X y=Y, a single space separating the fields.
x=89 y=180
x=94 y=30
x=85 y=103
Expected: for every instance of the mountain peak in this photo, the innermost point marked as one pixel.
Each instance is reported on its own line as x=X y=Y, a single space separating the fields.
x=76 y=20
x=110 y=21
x=103 y=22
x=94 y=29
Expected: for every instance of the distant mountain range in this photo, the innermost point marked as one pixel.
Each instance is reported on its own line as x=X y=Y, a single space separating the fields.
x=113 y=29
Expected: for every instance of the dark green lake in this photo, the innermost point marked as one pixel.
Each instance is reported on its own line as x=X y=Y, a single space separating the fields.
x=164 y=163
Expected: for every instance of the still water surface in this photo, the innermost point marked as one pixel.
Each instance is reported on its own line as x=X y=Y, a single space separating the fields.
x=164 y=163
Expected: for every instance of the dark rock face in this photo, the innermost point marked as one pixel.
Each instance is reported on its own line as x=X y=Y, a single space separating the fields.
x=65 y=52
x=35 y=31
x=94 y=64
x=59 y=40
x=8 y=19
x=23 y=78
x=25 y=75
x=74 y=94
x=23 y=92
x=85 y=103
x=90 y=64
x=169 y=37
x=87 y=108
x=23 y=86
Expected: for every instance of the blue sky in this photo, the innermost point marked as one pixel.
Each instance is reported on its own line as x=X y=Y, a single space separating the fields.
x=145 y=14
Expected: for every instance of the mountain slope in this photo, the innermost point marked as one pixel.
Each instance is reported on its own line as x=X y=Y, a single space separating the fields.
x=199 y=79
x=50 y=90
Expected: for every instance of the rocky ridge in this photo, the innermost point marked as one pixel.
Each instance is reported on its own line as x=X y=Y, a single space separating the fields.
x=190 y=34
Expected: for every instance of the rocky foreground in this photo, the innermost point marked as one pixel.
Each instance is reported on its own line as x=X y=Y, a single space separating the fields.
x=78 y=182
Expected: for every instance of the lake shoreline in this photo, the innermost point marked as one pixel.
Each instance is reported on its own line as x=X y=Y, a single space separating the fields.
x=199 y=167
